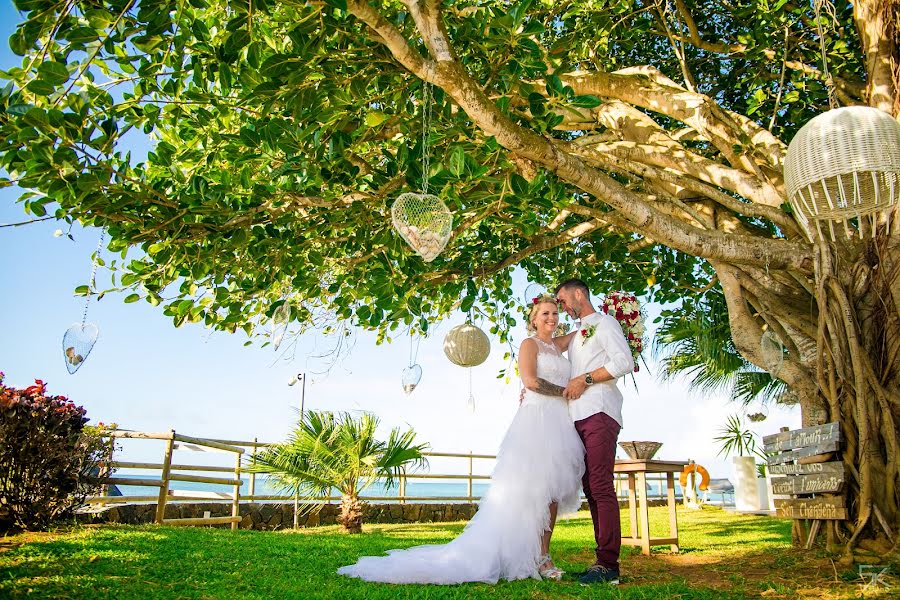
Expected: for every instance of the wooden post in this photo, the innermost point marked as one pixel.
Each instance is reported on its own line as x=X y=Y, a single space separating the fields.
x=673 y=517
x=253 y=473
x=107 y=468
x=471 y=470
x=632 y=508
x=164 y=487
x=296 y=508
x=644 y=512
x=401 y=489
x=236 y=503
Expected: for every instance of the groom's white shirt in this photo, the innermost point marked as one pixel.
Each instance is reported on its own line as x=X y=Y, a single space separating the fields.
x=608 y=348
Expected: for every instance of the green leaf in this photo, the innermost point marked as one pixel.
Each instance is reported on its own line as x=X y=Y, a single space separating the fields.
x=19 y=109
x=81 y=35
x=132 y=298
x=40 y=87
x=82 y=290
x=585 y=101
x=374 y=118
x=53 y=73
x=457 y=161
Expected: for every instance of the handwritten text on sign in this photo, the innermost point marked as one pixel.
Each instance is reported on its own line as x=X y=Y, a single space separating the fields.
x=807 y=484
x=800 y=438
x=811 y=469
x=811 y=508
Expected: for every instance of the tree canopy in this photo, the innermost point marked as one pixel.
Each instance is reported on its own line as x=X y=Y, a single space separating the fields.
x=282 y=132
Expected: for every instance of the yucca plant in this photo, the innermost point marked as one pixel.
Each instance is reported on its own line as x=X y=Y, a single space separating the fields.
x=327 y=451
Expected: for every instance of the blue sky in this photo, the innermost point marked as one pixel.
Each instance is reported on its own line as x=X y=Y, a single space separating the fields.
x=145 y=374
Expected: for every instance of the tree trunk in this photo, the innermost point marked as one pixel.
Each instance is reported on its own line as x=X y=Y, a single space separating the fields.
x=853 y=377
x=351 y=514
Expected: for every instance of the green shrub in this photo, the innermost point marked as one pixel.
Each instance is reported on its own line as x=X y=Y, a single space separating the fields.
x=49 y=460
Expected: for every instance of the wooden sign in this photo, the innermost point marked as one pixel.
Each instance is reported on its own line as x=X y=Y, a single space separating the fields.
x=826 y=467
x=800 y=438
x=808 y=484
x=811 y=508
x=783 y=457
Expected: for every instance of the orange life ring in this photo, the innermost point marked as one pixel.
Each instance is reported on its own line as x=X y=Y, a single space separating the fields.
x=695 y=468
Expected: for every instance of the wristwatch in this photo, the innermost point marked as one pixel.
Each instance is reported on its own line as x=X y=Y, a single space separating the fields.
x=588 y=379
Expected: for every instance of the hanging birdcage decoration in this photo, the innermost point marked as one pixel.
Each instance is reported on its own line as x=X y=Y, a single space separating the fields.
x=466 y=345
x=424 y=222
x=844 y=165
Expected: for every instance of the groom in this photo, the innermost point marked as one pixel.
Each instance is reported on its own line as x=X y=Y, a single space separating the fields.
x=599 y=355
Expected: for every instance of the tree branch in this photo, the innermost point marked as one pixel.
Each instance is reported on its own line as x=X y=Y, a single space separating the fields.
x=451 y=77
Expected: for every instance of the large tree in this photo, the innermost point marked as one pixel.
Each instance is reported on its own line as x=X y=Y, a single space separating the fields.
x=635 y=143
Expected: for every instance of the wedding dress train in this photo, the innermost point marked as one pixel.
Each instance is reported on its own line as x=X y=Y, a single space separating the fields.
x=541 y=460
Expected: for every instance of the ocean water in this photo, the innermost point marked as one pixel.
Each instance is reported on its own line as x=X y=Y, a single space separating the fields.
x=414 y=489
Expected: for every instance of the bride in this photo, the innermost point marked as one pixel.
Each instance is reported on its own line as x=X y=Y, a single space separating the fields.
x=537 y=474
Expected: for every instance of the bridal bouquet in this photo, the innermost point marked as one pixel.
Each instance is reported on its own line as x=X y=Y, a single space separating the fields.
x=625 y=308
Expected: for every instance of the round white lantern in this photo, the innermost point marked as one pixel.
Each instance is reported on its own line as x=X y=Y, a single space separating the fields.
x=467 y=345
x=844 y=164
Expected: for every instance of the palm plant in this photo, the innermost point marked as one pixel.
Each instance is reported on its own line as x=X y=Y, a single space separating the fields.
x=735 y=439
x=695 y=339
x=326 y=452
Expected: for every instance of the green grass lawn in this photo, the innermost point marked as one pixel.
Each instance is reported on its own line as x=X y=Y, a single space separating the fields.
x=723 y=556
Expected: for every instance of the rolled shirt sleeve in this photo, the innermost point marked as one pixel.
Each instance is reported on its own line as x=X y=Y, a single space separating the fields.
x=619 y=360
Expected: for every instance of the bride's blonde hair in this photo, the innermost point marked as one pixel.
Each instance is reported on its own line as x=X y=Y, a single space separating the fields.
x=535 y=305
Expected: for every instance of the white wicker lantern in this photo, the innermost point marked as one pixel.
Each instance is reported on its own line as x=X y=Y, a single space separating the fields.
x=424 y=222
x=844 y=164
x=467 y=345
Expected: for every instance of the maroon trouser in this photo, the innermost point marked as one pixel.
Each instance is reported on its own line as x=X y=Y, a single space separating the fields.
x=599 y=433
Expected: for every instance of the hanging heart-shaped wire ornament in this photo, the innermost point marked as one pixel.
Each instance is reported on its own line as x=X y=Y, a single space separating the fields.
x=280 y=319
x=424 y=222
x=77 y=343
x=532 y=291
x=412 y=375
x=422 y=219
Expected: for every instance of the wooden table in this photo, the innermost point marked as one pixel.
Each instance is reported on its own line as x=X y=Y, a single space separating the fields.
x=639 y=513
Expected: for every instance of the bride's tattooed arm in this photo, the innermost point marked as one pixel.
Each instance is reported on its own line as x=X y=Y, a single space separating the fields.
x=548 y=389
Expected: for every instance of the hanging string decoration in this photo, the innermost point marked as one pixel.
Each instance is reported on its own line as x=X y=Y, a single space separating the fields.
x=280 y=319
x=422 y=219
x=466 y=345
x=625 y=308
x=79 y=339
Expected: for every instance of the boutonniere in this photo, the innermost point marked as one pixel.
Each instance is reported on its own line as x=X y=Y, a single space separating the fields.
x=587 y=332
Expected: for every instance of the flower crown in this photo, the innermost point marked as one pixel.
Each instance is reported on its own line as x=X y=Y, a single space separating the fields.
x=544 y=298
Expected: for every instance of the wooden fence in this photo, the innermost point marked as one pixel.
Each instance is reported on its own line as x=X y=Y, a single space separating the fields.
x=167 y=473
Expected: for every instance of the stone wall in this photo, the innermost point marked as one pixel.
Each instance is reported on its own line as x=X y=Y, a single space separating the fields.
x=281 y=516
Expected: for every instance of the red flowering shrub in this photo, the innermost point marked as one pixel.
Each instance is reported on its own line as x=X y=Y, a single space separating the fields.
x=47 y=457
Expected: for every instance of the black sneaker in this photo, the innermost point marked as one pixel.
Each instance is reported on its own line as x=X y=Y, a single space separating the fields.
x=600 y=574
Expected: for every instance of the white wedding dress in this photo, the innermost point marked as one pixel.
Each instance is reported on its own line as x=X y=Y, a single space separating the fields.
x=541 y=459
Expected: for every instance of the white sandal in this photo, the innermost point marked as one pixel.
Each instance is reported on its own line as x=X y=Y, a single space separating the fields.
x=549 y=572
